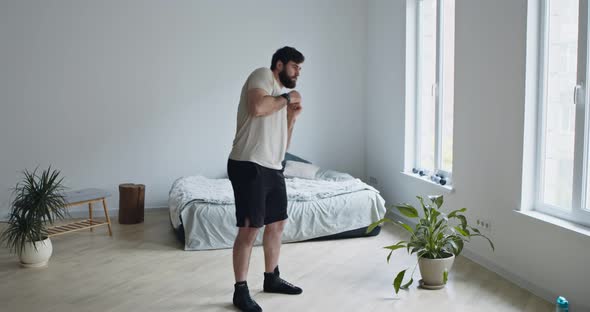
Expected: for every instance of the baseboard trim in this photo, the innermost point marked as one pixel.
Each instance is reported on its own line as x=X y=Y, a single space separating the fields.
x=510 y=276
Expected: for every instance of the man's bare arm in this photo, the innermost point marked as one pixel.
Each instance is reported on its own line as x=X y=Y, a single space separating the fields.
x=261 y=104
x=293 y=110
x=291 y=125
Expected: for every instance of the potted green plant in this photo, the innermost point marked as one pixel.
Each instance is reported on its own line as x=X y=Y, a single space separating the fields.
x=37 y=201
x=436 y=239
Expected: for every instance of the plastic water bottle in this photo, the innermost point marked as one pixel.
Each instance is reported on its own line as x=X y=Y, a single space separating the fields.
x=561 y=305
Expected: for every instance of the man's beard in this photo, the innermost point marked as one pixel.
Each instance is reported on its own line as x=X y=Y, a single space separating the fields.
x=287 y=81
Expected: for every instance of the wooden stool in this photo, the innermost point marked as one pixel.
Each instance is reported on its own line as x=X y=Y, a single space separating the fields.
x=131 y=203
x=81 y=197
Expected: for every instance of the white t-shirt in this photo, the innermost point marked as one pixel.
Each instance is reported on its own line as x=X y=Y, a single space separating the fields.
x=262 y=140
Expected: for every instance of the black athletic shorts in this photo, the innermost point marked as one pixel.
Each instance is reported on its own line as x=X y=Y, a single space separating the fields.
x=260 y=193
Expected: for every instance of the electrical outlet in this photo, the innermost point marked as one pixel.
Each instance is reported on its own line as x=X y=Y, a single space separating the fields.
x=373 y=181
x=484 y=225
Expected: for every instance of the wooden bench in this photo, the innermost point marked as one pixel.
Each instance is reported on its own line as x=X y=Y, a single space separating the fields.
x=81 y=197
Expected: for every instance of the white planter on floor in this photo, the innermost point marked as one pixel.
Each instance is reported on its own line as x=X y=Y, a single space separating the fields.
x=432 y=270
x=35 y=258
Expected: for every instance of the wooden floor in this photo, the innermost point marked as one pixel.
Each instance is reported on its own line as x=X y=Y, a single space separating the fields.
x=143 y=268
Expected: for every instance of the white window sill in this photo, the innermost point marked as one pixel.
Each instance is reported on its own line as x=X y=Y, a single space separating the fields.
x=574 y=227
x=446 y=188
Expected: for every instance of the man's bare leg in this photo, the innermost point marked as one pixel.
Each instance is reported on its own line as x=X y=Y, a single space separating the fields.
x=242 y=251
x=241 y=258
x=272 y=249
x=272 y=244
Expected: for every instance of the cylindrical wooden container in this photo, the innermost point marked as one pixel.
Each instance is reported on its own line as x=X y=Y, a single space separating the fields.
x=131 y=203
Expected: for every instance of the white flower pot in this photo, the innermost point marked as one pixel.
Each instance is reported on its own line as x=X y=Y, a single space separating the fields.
x=35 y=258
x=432 y=270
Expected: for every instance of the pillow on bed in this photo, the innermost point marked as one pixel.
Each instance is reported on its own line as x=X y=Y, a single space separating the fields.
x=289 y=156
x=297 y=169
x=332 y=175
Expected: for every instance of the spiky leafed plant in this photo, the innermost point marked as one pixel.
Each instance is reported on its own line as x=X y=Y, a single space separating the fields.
x=432 y=237
x=37 y=201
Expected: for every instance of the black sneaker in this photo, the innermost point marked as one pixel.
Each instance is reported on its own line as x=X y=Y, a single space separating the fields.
x=274 y=284
x=242 y=299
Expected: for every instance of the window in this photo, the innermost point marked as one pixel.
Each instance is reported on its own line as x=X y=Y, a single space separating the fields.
x=432 y=99
x=561 y=180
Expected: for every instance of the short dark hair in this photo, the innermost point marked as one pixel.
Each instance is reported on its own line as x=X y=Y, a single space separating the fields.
x=285 y=55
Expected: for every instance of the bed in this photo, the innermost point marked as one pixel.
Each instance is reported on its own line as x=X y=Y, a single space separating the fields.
x=328 y=205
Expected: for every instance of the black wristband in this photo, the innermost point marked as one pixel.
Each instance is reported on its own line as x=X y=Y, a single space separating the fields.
x=288 y=97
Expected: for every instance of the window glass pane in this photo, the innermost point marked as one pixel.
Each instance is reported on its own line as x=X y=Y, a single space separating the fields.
x=558 y=158
x=426 y=80
x=448 y=84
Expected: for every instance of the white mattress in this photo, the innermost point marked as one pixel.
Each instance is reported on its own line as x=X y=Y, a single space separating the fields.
x=211 y=224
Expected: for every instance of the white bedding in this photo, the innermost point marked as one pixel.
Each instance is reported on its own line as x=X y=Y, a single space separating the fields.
x=316 y=208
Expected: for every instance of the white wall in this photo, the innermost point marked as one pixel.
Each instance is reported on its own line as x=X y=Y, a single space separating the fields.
x=488 y=140
x=147 y=91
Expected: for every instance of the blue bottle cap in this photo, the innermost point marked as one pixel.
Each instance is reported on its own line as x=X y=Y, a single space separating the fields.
x=562 y=302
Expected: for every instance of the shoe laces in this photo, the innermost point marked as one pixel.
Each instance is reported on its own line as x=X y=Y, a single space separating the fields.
x=282 y=281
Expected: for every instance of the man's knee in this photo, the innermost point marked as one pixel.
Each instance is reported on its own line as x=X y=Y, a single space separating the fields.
x=276 y=227
x=247 y=235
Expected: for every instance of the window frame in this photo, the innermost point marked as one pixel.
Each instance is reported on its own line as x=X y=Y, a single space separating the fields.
x=437 y=91
x=580 y=96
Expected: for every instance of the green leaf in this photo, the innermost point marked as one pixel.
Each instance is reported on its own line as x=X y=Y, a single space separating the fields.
x=408 y=211
x=467 y=231
x=491 y=244
x=406 y=285
x=461 y=231
x=375 y=224
x=396 y=246
x=415 y=245
x=445 y=276
x=453 y=247
x=423 y=206
x=459 y=243
x=455 y=212
x=38 y=200
x=397 y=282
x=463 y=221
x=437 y=200
x=434 y=214
x=439 y=224
x=407 y=227
x=421 y=200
